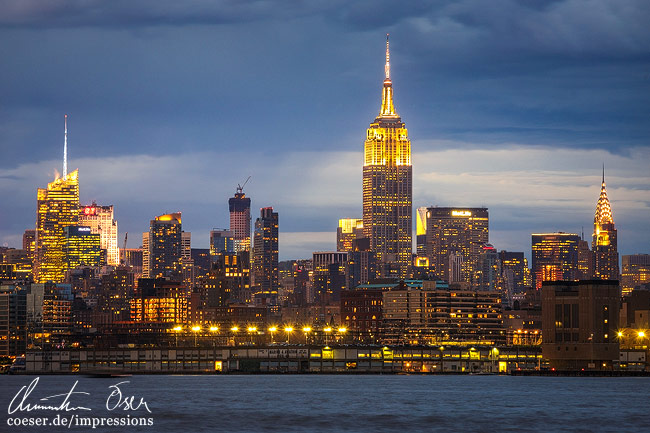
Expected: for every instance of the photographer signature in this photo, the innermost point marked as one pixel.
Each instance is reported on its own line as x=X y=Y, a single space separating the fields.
x=24 y=402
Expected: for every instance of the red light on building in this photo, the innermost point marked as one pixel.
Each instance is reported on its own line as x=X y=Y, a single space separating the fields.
x=90 y=210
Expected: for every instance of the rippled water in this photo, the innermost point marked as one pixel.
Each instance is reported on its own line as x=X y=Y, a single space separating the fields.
x=296 y=403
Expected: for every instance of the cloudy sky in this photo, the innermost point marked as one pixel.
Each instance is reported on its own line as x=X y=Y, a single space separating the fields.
x=513 y=105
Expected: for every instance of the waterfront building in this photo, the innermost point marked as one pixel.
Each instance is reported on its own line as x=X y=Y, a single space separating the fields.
x=240 y=220
x=162 y=247
x=349 y=230
x=265 y=250
x=387 y=186
x=361 y=312
x=83 y=248
x=454 y=241
x=102 y=222
x=160 y=301
x=579 y=324
x=13 y=319
x=555 y=257
x=604 y=244
x=57 y=207
x=636 y=271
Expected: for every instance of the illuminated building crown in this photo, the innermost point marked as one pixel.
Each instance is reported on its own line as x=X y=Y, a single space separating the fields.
x=387 y=107
x=603 y=208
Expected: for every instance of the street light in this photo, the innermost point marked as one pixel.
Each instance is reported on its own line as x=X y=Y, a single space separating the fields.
x=327 y=332
x=306 y=330
x=214 y=329
x=342 y=332
x=176 y=330
x=196 y=329
x=251 y=331
x=272 y=329
x=288 y=330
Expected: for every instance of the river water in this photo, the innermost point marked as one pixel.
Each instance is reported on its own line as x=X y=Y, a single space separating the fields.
x=335 y=403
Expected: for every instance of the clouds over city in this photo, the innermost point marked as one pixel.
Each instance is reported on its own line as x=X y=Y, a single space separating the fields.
x=510 y=104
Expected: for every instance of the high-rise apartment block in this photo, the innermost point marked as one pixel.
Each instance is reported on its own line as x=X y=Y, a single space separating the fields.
x=604 y=244
x=240 y=220
x=388 y=186
x=57 y=207
x=101 y=221
x=555 y=257
x=265 y=250
x=162 y=247
x=454 y=242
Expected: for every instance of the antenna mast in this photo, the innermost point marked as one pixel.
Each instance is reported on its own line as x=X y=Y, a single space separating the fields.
x=65 y=147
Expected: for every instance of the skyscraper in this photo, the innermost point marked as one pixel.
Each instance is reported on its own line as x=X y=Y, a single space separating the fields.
x=348 y=231
x=82 y=247
x=555 y=257
x=57 y=207
x=387 y=184
x=163 y=247
x=604 y=244
x=101 y=221
x=454 y=241
x=265 y=250
x=240 y=220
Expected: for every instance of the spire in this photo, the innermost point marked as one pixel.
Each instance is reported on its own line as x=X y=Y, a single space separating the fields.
x=387 y=107
x=603 y=208
x=387 y=67
x=65 y=146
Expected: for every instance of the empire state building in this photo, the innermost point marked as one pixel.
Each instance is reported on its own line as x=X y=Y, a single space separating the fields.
x=388 y=186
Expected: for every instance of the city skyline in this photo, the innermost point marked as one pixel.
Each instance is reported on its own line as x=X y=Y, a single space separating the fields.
x=467 y=150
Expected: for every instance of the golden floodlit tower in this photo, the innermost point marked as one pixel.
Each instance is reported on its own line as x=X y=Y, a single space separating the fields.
x=57 y=207
x=604 y=244
x=388 y=187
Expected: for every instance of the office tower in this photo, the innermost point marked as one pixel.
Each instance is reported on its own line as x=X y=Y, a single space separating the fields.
x=387 y=185
x=240 y=220
x=555 y=257
x=421 y=231
x=160 y=301
x=83 y=248
x=348 y=231
x=265 y=250
x=329 y=275
x=222 y=241
x=604 y=244
x=29 y=242
x=514 y=271
x=454 y=241
x=585 y=261
x=579 y=324
x=57 y=207
x=132 y=257
x=361 y=268
x=489 y=269
x=101 y=221
x=186 y=245
x=162 y=247
x=636 y=271
x=227 y=282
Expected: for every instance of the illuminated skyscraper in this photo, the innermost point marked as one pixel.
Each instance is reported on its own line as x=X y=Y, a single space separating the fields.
x=163 y=245
x=57 y=207
x=240 y=220
x=604 y=244
x=265 y=250
x=454 y=242
x=387 y=184
x=349 y=230
x=101 y=221
x=555 y=257
x=82 y=247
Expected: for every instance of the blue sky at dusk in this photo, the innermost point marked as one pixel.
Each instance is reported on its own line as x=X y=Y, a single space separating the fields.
x=513 y=105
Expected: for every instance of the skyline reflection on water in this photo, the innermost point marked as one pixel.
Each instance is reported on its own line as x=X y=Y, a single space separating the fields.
x=295 y=403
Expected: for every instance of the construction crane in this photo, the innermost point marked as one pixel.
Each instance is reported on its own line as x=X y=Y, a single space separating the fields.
x=240 y=188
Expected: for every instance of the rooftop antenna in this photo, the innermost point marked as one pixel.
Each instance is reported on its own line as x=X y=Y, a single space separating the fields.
x=387 y=66
x=240 y=188
x=65 y=146
x=603 y=172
